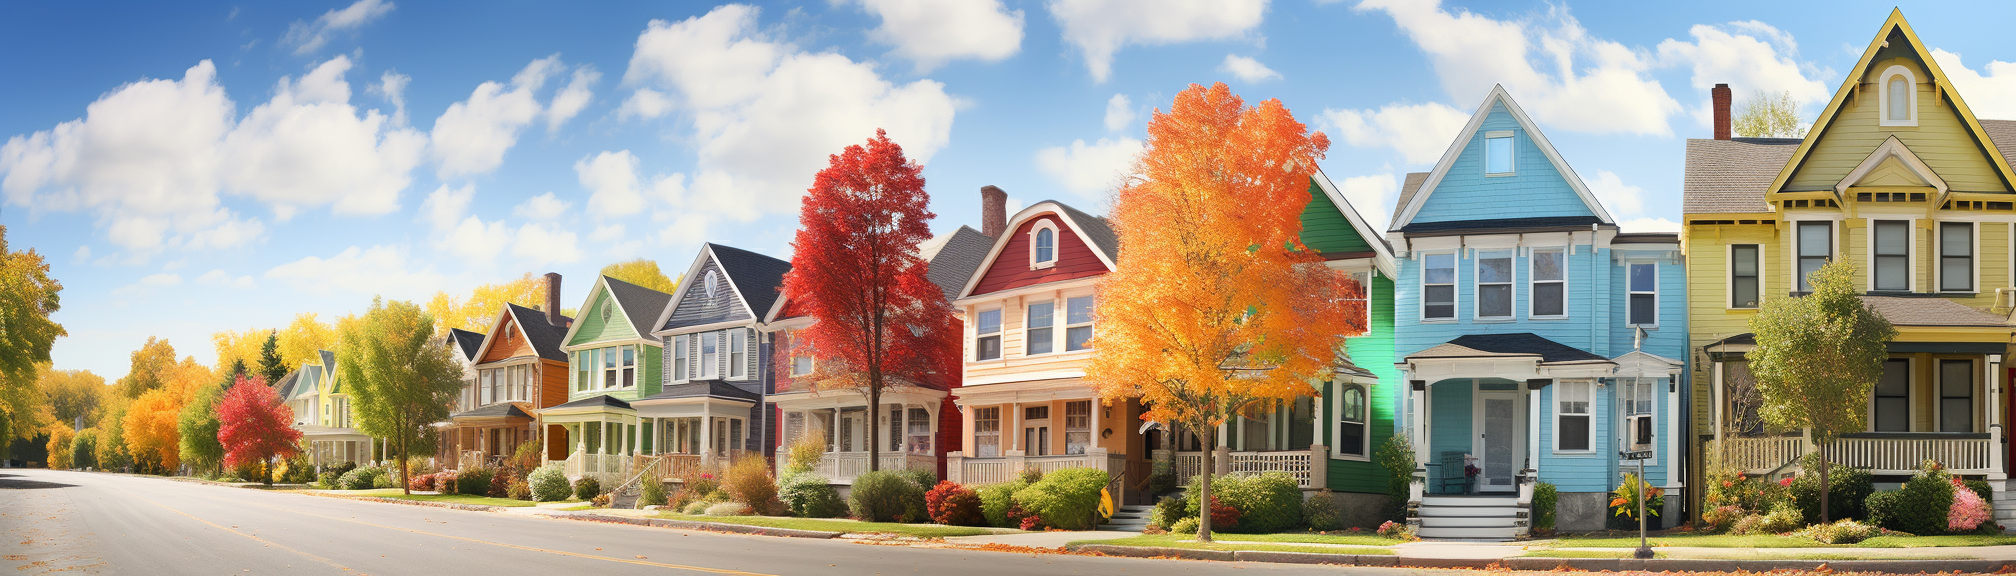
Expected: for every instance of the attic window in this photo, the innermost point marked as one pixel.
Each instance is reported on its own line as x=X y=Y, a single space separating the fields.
x=1043 y=245
x=605 y=310
x=711 y=283
x=1899 y=95
x=1498 y=153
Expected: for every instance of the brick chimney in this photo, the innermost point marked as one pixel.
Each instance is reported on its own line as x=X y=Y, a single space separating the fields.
x=1721 y=96
x=993 y=211
x=553 y=299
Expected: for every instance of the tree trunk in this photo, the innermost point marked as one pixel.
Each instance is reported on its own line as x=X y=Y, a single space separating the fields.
x=874 y=407
x=1204 y=493
x=1825 y=486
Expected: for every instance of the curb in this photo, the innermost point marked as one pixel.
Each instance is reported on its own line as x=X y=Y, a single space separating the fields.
x=1896 y=566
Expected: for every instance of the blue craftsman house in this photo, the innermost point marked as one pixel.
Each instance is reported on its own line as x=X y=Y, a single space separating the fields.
x=1538 y=342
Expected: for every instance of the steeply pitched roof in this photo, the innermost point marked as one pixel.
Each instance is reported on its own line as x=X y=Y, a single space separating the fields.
x=1097 y=230
x=285 y=387
x=1519 y=223
x=466 y=343
x=755 y=276
x=640 y=305
x=1407 y=189
x=544 y=336
x=1405 y=212
x=2003 y=133
x=703 y=389
x=308 y=382
x=953 y=258
x=1382 y=258
x=1509 y=345
x=1933 y=311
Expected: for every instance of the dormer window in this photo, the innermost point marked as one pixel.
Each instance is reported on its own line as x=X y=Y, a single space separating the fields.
x=1043 y=245
x=1498 y=153
x=1899 y=97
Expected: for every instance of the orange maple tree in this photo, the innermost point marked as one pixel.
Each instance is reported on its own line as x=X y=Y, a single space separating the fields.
x=855 y=268
x=1216 y=308
x=151 y=434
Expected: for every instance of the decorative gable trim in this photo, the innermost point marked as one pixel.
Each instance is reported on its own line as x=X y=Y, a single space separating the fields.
x=1449 y=157
x=1940 y=85
x=693 y=277
x=1892 y=148
x=497 y=328
x=601 y=289
x=1382 y=255
x=1015 y=223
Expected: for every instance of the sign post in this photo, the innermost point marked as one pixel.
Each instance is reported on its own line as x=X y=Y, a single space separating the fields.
x=1644 y=551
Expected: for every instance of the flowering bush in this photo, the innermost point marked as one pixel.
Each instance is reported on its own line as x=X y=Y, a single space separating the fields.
x=1721 y=518
x=421 y=483
x=1841 y=532
x=1968 y=510
x=1396 y=530
x=1223 y=516
x=705 y=484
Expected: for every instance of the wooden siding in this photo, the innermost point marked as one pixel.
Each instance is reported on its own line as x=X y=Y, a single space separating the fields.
x=1597 y=470
x=1941 y=139
x=1324 y=227
x=510 y=343
x=1011 y=270
x=1535 y=189
x=595 y=329
x=552 y=383
x=650 y=380
x=1374 y=352
x=1709 y=316
x=695 y=307
x=1014 y=359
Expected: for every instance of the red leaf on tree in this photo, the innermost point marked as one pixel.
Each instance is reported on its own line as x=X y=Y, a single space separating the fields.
x=254 y=426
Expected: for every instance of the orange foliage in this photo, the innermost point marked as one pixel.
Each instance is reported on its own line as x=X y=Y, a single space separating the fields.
x=150 y=426
x=1216 y=305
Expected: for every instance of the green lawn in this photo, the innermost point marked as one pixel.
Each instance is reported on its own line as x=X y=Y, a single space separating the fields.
x=1768 y=541
x=1584 y=554
x=846 y=526
x=396 y=494
x=1309 y=538
x=1224 y=542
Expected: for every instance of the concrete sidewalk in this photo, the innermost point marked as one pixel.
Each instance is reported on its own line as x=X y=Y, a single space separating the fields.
x=1039 y=539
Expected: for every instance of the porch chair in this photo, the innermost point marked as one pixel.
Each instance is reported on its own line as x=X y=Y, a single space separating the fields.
x=1453 y=480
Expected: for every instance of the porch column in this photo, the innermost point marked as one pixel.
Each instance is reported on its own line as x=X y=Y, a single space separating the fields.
x=966 y=446
x=1533 y=406
x=1993 y=383
x=1715 y=411
x=1420 y=422
x=1673 y=477
x=706 y=434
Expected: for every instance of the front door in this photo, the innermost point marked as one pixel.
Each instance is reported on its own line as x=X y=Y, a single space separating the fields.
x=1497 y=444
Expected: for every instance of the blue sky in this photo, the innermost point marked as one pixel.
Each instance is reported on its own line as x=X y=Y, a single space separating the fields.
x=200 y=166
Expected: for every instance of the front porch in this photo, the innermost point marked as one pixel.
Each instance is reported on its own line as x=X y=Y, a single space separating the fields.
x=1884 y=454
x=485 y=436
x=906 y=430
x=328 y=446
x=1047 y=425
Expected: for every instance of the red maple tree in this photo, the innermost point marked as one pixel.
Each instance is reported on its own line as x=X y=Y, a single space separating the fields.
x=254 y=426
x=855 y=269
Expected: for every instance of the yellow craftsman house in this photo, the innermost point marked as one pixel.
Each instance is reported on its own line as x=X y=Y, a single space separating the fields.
x=1898 y=177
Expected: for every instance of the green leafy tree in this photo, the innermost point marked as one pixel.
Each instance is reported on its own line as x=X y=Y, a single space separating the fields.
x=27 y=297
x=198 y=425
x=1767 y=115
x=1817 y=357
x=270 y=366
x=403 y=379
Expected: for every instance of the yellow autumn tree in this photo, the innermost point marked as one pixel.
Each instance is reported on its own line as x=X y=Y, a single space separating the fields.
x=302 y=340
x=150 y=421
x=475 y=312
x=642 y=272
x=236 y=346
x=1216 y=308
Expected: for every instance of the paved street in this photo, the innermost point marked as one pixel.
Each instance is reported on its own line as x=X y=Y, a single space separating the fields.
x=85 y=523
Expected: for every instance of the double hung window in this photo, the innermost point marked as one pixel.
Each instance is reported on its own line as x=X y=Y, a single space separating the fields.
x=710 y=355
x=1892 y=241
x=1494 y=286
x=919 y=425
x=679 y=359
x=987 y=432
x=1816 y=247
x=1571 y=417
x=1743 y=276
x=1044 y=247
x=1956 y=395
x=1438 y=286
x=610 y=370
x=1351 y=425
x=1891 y=410
x=1956 y=256
x=629 y=366
x=1644 y=286
x=1639 y=395
x=987 y=336
x=1077 y=426
x=738 y=352
x=1550 y=282
x=1040 y=337
x=1078 y=323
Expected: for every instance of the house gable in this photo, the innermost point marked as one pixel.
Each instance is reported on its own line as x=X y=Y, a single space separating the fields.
x=1009 y=267
x=1333 y=227
x=695 y=305
x=1540 y=185
x=1945 y=134
x=506 y=341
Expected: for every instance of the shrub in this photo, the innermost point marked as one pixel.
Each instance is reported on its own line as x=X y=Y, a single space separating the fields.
x=1162 y=477
x=1848 y=490
x=1224 y=516
x=500 y=483
x=884 y=496
x=996 y=500
x=809 y=495
x=1882 y=508
x=1397 y=531
x=1920 y=507
x=363 y=479
x=1066 y=498
x=1841 y=532
x=421 y=483
x=703 y=485
x=444 y=482
x=698 y=507
x=1168 y=511
x=600 y=501
x=1968 y=510
x=950 y=504
x=518 y=490
x=728 y=509
x=1187 y=526
x=1721 y=518
x=924 y=478
x=749 y=482
x=1320 y=512
x=1396 y=455
x=587 y=488
x=1545 y=500
x=298 y=471
x=1747 y=525
x=652 y=491
x=1783 y=518
x=549 y=484
x=1624 y=502
x=805 y=453
x=1267 y=502
x=475 y=480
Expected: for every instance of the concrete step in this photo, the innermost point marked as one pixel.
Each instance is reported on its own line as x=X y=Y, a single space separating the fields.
x=1505 y=533
x=1468 y=511
x=1464 y=501
x=1470 y=522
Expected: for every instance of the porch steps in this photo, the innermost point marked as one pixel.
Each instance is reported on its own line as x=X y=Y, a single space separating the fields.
x=1128 y=519
x=1471 y=517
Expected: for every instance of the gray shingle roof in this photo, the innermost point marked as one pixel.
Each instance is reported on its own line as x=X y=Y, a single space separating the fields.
x=285 y=387
x=1097 y=230
x=1408 y=188
x=641 y=305
x=704 y=389
x=1928 y=311
x=1731 y=175
x=600 y=401
x=2003 y=132
x=1507 y=345
x=498 y=410
x=757 y=277
x=953 y=258
x=545 y=337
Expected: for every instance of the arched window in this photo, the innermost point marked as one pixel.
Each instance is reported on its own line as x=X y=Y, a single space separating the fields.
x=606 y=311
x=1352 y=437
x=1899 y=95
x=710 y=283
x=1900 y=91
x=1046 y=245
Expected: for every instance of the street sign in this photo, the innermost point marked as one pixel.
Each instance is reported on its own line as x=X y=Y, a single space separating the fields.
x=1639 y=455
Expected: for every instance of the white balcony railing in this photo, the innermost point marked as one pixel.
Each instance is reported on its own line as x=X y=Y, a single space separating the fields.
x=1762 y=454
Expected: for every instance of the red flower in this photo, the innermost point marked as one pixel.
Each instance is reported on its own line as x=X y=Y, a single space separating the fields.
x=1786 y=481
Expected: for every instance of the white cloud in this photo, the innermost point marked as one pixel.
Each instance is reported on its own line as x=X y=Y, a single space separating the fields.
x=1119 y=113
x=379 y=270
x=1100 y=27
x=1750 y=57
x=570 y=100
x=931 y=32
x=152 y=159
x=1372 y=196
x=225 y=279
x=309 y=37
x=1648 y=225
x=472 y=136
x=1247 y=69
x=645 y=103
x=83 y=253
x=1992 y=95
x=1420 y=132
x=1090 y=170
x=1557 y=71
x=392 y=85
x=764 y=115
x=538 y=245
x=616 y=189
x=150 y=283
x=476 y=240
x=1623 y=200
x=542 y=207
x=607 y=233
x=446 y=205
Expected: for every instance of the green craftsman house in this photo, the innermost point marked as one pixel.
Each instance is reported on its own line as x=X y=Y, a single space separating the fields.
x=613 y=360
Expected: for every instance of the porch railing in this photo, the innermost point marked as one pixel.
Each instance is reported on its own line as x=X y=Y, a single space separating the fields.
x=844 y=467
x=471 y=459
x=1762 y=454
x=982 y=471
x=1297 y=463
x=608 y=469
x=1882 y=453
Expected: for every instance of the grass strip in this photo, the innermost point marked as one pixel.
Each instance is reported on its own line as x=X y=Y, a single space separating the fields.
x=842 y=526
x=394 y=493
x=1190 y=543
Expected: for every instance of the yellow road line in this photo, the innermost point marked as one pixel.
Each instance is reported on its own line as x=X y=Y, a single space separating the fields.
x=254 y=538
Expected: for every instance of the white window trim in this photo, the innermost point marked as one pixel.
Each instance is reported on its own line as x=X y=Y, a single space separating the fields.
x=1973 y=391
x=1883 y=96
x=1370 y=275
x=797 y=352
x=1056 y=326
x=1628 y=293
x=1056 y=240
x=1623 y=419
x=1833 y=249
x=1513 y=140
x=1939 y=256
x=1910 y=250
x=1554 y=399
x=1477 y=287
x=975 y=335
x=1533 y=279
x=1421 y=285
x=1729 y=280
x=682 y=345
x=1337 y=421
x=1063 y=331
x=709 y=370
x=1910 y=385
x=737 y=370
